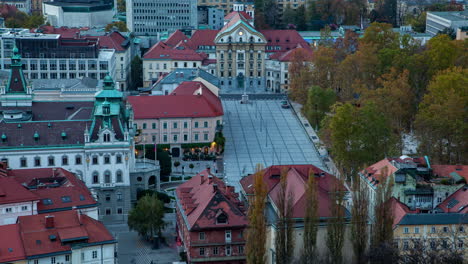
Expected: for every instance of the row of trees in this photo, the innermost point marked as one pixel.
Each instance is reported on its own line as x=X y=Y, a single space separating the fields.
x=365 y=94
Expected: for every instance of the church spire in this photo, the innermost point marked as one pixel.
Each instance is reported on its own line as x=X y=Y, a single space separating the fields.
x=16 y=81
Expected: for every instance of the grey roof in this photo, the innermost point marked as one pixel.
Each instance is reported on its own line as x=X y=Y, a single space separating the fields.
x=453 y=15
x=186 y=74
x=67 y=84
x=434 y=219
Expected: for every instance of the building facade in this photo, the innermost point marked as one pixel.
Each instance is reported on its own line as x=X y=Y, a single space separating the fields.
x=439 y=21
x=50 y=56
x=210 y=17
x=90 y=13
x=147 y=17
x=210 y=220
x=163 y=120
x=91 y=139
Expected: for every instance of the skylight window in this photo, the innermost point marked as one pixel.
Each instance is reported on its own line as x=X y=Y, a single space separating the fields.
x=47 y=201
x=66 y=199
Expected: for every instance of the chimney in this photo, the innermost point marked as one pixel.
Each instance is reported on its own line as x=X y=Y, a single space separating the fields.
x=215 y=187
x=49 y=221
x=210 y=179
x=208 y=170
x=202 y=178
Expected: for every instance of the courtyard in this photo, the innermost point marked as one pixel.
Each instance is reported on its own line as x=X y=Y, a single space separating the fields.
x=262 y=132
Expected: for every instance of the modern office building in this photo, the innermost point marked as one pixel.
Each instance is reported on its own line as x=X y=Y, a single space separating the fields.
x=439 y=21
x=79 y=13
x=150 y=18
x=210 y=17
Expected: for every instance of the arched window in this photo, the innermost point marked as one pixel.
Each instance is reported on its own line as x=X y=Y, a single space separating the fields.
x=107 y=137
x=107 y=177
x=95 y=177
x=119 y=176
x=222 y=219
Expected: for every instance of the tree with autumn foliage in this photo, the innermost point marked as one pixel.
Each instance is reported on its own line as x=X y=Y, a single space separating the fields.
x=299 y=73
x=441 y=123
x=311 y=222
x=256 y=233
x=284 y=238
x=324 y=71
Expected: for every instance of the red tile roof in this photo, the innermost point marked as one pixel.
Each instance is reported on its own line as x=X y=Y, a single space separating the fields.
x=456 y=203
x=69 y=225
x=305 y=53
x=285 y=39
x=399 y=210
x=180 y=103
x=296 y=183
x=69 y=185
x=11 y=246
x=114 y=40
x=235 y=18
x=203 y=38
x=375 y=171
x=242 y=13
x=12 y=191
x=446 y=170
x=205 y=196
x=175 y=38
x=165 y=52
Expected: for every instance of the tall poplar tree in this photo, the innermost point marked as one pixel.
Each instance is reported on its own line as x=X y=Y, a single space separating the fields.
x=284 y=239
x=311 y=221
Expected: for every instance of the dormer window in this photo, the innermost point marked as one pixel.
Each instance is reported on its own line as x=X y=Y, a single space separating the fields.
x=106 y=137
x=221 y=219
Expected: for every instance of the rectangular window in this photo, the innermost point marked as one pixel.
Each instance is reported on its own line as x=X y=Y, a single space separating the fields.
x=52 y=260
x=95 y=160
x=174 y=125
x=9 y=210
x=24 y=208
x=165 y=125
x=445 y=229
x=196 y=137
x=433 y=229
x=165 y=138
x=185 y=137
x=205 y=137
x=416 y=230
x=78 y=160
x=205 y=124
x=118 y=159
x=241 y=250
x=64 y=160
x=23 y=162
x=51 y=161
x=196 y=124
x=37 y=161
x=107 y=160
x=185 y=124
x=201 y=236
x=67 y=257
x=94 y=254
x=175 y=138
x=406 y=230
x=202 y=251
x=405 y=245
x=144 y=125
x=228 y=250
x=215 y=251
x=227 y=235
x=119 y=211
x=153 y=126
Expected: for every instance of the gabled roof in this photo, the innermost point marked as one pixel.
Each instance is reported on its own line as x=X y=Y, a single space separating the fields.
x=12 y=191
x=69 y=226
x=456 y=203
x=450 y=171
x=11 y=246
x=203 y=38
x=285 y=39
x=114 y=40
x=180 y=103
x=175 y=38
x=242 y=13
x=399 y=210
x=304 y=53
x=163 y=51
x=297 y=177
x=56 y=184
x=202 y=198
x=236 y=19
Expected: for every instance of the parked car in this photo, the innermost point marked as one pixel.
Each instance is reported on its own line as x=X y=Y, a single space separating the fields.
x=284 y=104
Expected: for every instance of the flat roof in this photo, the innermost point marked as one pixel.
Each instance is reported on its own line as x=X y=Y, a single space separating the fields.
x=452 y=16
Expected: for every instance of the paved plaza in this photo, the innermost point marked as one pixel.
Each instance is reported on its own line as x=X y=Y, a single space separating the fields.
x=263 y=132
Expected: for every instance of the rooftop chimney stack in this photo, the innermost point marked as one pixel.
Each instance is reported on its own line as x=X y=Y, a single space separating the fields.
x=49 y=221
x=215 y=187
x=202 y=178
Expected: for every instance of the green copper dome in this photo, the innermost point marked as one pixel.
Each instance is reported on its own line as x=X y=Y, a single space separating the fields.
x=108 y=83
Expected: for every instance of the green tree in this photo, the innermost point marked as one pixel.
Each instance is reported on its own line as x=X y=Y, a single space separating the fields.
x=417 y=22
x=326 y=38
x=34 y=21
x=311 y=221
x=289 y=15
x=136 y=73
x=284 y=238
x=381 y=35
x=336 y=224
x=165 y=162
x=121 y=6
x=147 y=216
x=441 y=121
x=319 y=102
x=301 y=22
x=120 y=25
x=357 y=136
x=256 y=232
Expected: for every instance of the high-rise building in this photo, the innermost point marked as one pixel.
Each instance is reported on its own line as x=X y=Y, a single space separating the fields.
x=149 y=17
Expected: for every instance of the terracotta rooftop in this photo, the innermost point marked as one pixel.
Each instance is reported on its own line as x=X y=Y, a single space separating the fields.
x=59 y=187
x=182 y=102
x=242 y=13
x=296 y=184
x=67 y=227
x=285 y=39
x=399 y=210
x=13 y=192
x=163 y=51
x=302 y=52
x=204 y=197
x=456 y=203
x=449 y=171
x=175 y=38
x=203 y=37
x=11 y=246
